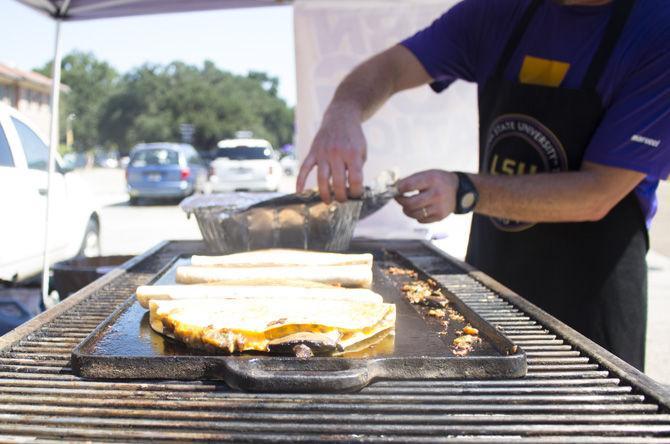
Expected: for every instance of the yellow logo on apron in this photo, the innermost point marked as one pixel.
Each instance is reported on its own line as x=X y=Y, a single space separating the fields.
x=543 y=72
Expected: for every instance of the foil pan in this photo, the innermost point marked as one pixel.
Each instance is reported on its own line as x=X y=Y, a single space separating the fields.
x=229 y=225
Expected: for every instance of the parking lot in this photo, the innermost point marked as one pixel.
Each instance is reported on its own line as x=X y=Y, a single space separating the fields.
x=132 y=230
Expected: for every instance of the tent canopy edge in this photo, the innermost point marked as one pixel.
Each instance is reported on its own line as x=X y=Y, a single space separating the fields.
x=73 y=10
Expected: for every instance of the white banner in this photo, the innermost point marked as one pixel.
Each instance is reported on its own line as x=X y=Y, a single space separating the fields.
x=416 y=130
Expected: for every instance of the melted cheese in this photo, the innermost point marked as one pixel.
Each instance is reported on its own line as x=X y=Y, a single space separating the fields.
x=251 y=325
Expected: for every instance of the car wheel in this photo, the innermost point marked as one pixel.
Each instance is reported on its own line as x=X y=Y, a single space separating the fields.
x=90 y=246
x=133 y=201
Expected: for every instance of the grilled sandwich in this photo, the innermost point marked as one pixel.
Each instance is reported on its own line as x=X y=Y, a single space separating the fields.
x=235 y=325
x=267 y=293
x=281 y=257
x=353 y=275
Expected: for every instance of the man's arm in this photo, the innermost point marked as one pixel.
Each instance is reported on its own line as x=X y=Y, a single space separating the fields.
x=585 y=195
x=339 y=148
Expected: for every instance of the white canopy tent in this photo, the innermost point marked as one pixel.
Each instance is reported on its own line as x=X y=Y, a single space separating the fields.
x=71 y=10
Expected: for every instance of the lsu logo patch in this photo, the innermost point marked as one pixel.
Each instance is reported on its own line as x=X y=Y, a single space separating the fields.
x=518 y=144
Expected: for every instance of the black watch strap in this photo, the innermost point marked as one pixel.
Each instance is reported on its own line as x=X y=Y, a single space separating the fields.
x=466 y=194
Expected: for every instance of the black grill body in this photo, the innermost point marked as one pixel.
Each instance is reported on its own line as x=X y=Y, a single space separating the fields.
x=574 y=392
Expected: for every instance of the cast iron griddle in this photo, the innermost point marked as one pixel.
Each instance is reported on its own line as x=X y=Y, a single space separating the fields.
x=125 y=347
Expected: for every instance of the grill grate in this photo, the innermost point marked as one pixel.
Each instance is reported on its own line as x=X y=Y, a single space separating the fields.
x=567 y=396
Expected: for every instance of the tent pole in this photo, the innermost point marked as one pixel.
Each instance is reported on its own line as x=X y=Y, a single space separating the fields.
x=53 y=144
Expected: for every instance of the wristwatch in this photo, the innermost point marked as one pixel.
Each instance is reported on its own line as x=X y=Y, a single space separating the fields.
x=466 y=194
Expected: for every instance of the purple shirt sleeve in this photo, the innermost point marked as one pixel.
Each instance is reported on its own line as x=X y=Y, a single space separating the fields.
x=445 y=48
x=635 y=130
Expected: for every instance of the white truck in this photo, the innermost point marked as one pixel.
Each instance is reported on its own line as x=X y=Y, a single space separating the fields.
x=75 y=224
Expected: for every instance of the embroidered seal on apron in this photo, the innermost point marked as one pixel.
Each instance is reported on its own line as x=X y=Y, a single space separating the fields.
x=518 y=144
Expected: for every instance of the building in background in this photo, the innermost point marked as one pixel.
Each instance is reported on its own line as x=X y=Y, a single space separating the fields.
x=30 y=93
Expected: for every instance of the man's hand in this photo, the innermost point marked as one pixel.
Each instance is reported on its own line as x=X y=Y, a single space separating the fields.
x=339 y=152
x=436 y=197
x=339 y=148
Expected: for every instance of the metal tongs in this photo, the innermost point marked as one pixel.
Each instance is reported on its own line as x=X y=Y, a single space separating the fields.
x=373 y=198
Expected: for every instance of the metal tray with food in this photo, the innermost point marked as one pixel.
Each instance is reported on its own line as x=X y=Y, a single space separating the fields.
x=436 y=336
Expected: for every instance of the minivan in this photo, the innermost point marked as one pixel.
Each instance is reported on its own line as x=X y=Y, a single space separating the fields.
x=164 y=171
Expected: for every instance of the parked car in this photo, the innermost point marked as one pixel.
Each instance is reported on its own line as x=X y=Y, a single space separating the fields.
x=290 y=164
x=124 y=161
x=245 y=165
x=73 y=161
x=208 y=156
x=24 y=158
x=105 y=159
x=164 y=170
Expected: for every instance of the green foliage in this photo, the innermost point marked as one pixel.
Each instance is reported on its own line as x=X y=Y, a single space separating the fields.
x=64 y=149
x=91 y=82
x=150 y=102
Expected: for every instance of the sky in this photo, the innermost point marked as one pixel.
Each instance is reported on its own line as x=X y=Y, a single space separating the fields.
x=238 y=40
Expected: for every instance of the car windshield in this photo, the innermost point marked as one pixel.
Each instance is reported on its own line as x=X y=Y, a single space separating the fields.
x=245 y=153
x=155 y=157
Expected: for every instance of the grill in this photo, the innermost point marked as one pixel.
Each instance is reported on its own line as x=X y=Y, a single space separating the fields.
x=574 y=391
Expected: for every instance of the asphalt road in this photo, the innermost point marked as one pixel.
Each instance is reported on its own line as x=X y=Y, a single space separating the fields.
x=132 y=230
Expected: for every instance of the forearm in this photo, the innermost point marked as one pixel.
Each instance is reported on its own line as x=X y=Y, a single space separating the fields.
x=576 y=196
x=373 y=82
x=361 y=93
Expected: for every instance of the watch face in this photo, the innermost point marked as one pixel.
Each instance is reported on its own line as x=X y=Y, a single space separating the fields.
x=468 y=200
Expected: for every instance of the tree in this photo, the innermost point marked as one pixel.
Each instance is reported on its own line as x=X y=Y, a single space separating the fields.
x=270 y=84
x=153 y=100
x=91 y=82
x=149 y=103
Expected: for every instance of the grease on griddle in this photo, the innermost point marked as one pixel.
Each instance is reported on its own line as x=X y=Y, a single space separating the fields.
x=428 y=293
x=466 y=341
x=470 y=330
x=465 y=344
x=437 y=312
x=454 y=315
x=445 y=328
x=397 y=271
x=420 y=292
x=424 y=293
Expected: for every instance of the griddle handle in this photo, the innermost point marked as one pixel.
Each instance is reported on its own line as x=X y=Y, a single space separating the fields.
x=311 y=375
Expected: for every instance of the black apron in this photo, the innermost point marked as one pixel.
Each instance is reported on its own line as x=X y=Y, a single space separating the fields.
x=590 y=275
